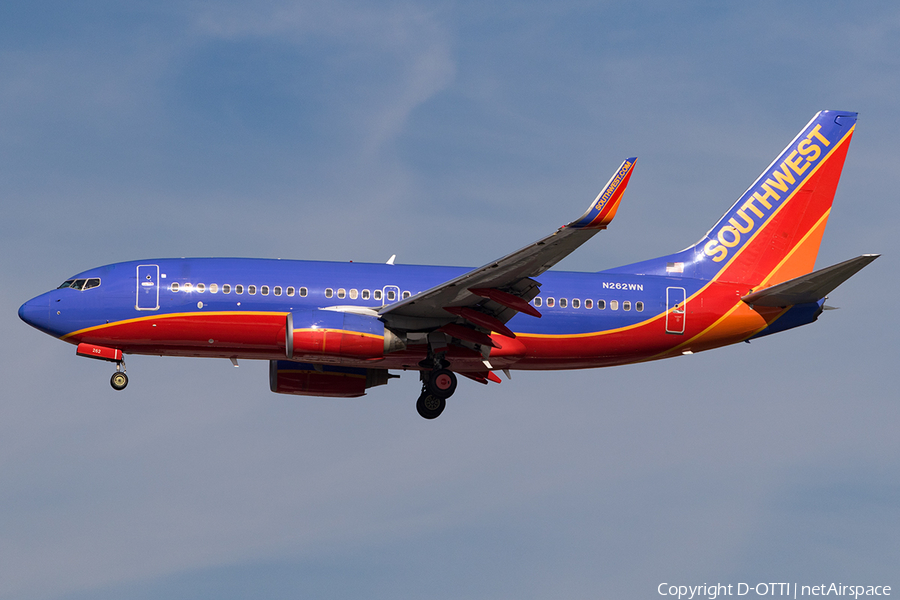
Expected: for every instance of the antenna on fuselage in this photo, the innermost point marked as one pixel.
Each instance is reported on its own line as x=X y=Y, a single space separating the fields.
x=391 y=259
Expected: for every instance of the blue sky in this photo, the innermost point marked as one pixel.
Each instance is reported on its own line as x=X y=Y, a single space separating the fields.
x=445 y=133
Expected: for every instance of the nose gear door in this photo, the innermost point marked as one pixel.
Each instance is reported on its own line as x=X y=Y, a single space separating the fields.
x=147 y=287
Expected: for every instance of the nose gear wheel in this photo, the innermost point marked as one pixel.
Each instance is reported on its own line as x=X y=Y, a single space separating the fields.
x=118 y=381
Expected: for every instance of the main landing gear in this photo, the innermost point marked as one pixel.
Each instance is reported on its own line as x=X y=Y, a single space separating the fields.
x=437 y=385
x=119 y=379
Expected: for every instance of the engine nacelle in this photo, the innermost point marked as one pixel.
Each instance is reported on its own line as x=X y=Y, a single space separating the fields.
x=304 y=379
x=313 y=333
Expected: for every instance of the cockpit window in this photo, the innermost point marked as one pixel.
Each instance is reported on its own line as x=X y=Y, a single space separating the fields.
x=80 y=284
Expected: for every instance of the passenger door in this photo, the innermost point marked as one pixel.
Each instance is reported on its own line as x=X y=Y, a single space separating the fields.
x=675 y=301
x=147 y=287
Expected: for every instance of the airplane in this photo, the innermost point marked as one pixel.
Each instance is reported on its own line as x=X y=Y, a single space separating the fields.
x=337 y=329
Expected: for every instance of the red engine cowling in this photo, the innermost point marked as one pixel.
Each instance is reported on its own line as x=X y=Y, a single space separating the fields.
x=315 y=333
x=304 y=379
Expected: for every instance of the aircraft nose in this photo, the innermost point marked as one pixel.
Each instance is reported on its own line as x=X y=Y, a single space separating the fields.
x=36 y=312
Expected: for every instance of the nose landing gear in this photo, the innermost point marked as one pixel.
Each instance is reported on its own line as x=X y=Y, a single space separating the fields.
x=119 y=379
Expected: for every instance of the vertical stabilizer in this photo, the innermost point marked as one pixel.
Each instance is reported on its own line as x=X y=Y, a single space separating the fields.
x=772 y=233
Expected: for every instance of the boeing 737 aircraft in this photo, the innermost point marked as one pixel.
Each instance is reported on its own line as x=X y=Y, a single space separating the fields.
x=336 y=329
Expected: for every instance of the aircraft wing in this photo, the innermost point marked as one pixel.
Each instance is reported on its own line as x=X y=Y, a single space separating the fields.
x=501 y=288
x=811 y=287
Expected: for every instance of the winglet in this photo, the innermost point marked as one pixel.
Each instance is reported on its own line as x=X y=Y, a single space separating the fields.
x=602 y=211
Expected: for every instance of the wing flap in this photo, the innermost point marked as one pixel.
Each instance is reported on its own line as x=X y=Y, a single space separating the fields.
x=468 y=335
x=508 y=300
x=481 y=319
x=482 y=376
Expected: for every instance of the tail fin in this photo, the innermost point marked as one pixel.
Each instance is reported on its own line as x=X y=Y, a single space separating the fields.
x=772 y=233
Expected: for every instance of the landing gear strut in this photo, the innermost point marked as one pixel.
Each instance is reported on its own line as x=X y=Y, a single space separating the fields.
x=119 y=379
x=437 y=386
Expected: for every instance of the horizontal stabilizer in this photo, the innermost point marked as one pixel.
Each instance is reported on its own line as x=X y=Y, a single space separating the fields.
x=811 y=287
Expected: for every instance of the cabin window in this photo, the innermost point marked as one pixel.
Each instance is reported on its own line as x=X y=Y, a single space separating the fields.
x=639 y=306
x=405 y=295
x=538 y=301
x=226 y=289
x=601 y=304
x=290 y=291
x=354 y=294
x=251 y=289
x=550 y=302
x=376 y=294
x=201 y=287
x=188 y=288
x=173 y=287
x=342 y=293
x=277 y=290
x=329 y=292
x=613 y=305
x=589 y=304
x=365 y=294
x=391 y=295
x=213 y=288
x=626 y=305
x=264 y=290
x=239 y=289
x=576 y=303
x=563 y=303
x=303 y=292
